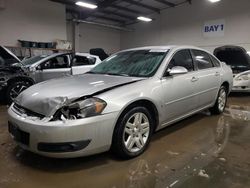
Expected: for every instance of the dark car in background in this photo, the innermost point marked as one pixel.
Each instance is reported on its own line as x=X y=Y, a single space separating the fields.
x=11 y=74
x=7 y=58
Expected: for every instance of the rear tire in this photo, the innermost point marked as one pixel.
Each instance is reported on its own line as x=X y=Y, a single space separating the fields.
x=221 y=101
x=15 y=89
x=132 y=133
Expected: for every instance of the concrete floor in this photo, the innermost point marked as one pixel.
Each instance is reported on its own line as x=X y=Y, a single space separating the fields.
x=201 y=151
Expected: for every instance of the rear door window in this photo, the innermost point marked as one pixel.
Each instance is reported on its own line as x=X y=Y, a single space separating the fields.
x=202 y=59
x=83 y=60
x=56 y=63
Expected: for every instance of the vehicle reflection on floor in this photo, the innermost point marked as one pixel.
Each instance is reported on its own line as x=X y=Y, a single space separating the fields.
x=238 y=112
x=201 y=151
x=166 y=176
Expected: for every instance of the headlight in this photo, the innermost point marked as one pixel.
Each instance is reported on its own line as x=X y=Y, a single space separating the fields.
x=82 y=109
x=243 y=77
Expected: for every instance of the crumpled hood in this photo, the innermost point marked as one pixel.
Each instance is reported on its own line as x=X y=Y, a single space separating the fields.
x=47 y=97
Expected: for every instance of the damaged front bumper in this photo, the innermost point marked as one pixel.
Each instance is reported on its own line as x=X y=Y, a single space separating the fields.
x=63 y=139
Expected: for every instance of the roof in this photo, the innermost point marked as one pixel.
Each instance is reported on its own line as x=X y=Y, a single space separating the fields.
x=86 y=54
x=167 y=47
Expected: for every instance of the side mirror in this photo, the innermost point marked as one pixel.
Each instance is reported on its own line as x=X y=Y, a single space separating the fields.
x=177 y=70
x=39 y=67
x=224 y=63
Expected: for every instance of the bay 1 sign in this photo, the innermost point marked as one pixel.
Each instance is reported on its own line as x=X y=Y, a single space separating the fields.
x=214 y=28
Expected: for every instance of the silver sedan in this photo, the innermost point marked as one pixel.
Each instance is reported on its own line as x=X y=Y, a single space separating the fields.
x=120 y=103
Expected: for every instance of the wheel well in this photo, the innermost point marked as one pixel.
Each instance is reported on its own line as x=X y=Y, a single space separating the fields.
x=18 y=79
x=226 y=84
x=148 y=105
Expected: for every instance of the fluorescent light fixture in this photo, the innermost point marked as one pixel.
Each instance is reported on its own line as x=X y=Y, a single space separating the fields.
x=145 y=19
x=214 y=1
x=86 y=5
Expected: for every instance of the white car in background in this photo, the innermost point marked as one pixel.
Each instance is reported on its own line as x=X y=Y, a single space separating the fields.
x=85 y=62
x=41 y=68
x=239 y=60
x=242 y=82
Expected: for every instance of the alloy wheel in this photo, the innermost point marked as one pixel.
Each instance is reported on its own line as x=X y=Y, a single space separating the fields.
x=222 y=99
x=136 y=132
x=15 y=91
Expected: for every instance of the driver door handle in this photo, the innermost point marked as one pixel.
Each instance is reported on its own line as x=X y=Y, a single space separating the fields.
x=194 y=79
x=217 y=74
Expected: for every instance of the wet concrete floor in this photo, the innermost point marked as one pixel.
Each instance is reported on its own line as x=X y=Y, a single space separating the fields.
x=201 y=151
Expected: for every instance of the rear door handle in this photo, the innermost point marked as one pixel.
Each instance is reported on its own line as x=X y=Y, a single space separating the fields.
x=194 y=79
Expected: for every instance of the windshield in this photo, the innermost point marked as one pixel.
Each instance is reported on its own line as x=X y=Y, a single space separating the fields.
x=137 y=63
x=33 y=60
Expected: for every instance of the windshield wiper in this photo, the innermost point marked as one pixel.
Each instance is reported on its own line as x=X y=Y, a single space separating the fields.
x=117 y=74
x=90 y=72
x=112 y=74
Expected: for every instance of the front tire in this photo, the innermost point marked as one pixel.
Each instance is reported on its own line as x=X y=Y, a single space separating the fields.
x=132 y=133
x=15 y=89
x=221 y=101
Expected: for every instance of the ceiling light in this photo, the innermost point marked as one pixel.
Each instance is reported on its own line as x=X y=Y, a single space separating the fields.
x=145 y=19
x=214 y=1
x=86 y=5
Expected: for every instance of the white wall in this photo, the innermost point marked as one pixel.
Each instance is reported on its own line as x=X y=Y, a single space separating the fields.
x=42 y=20
x=70 y=31
x=37 y=20
x=184 y=24
x=92 y=36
